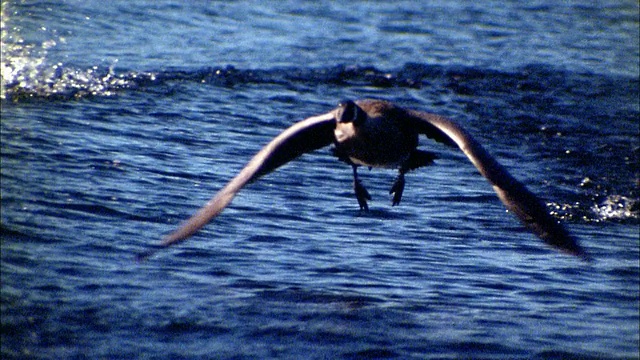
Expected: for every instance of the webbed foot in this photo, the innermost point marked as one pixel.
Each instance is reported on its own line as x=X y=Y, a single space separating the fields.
x=397 y=189
x=361 y=194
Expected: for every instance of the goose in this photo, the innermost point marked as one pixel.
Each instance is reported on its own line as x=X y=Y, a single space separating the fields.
x=378 y=133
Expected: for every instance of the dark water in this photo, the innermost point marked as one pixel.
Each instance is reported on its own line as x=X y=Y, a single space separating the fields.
x=119 y=119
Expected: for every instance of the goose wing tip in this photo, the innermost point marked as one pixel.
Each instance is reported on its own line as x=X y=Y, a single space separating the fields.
x=145 y=255
x=584 y=256
x=570 y=245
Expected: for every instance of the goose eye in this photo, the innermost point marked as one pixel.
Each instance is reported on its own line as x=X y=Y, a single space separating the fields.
x=349 y=111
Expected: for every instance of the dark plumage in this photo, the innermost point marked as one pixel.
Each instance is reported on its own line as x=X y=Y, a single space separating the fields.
x=376 y=133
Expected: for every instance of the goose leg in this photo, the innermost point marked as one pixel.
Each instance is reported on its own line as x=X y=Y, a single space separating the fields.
x=361 y=192
x=397 y=188
x=417 y=158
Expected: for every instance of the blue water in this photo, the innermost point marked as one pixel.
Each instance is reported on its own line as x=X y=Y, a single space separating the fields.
x=120 y=119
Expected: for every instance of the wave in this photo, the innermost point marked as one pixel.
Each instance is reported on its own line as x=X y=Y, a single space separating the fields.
x=26 y=74
x=612 y=208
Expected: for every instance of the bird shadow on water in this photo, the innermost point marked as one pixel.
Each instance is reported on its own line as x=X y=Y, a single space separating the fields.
x=379 y=213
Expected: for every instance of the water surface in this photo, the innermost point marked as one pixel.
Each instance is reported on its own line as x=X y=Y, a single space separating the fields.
x=119 y=119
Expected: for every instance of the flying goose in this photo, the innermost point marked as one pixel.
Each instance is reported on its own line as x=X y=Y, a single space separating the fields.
x=377 y=133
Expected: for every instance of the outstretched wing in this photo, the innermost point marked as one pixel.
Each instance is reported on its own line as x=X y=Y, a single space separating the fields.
x=305 y=136
x=515 y=196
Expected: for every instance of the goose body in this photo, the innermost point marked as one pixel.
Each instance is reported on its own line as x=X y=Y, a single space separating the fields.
x=376 y=133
